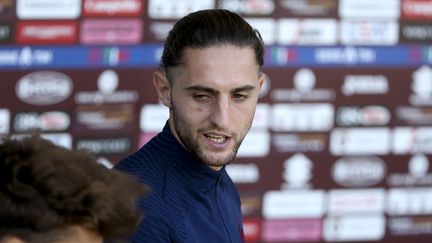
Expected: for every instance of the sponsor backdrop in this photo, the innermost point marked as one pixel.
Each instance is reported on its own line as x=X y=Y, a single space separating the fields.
x=341 y=143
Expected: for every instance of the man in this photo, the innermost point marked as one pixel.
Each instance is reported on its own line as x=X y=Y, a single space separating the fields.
x=209 y=79
x=51 y=194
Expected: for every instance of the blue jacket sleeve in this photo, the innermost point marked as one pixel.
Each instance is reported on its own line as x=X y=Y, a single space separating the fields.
x=152 y=229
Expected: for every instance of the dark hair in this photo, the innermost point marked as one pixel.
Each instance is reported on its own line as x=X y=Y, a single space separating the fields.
x=208 y=28
x=45 y=188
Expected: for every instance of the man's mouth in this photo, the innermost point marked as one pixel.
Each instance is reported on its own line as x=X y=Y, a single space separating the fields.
x=216 y=138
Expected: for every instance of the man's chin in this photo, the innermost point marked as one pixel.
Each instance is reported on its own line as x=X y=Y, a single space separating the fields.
x=217 y=161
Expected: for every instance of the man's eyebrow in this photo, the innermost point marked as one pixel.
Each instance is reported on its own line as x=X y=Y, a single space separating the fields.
x=243 y=88
x=213 y=91
x=201 y=88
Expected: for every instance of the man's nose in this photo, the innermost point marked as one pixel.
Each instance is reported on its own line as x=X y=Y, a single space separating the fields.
x=221 y=112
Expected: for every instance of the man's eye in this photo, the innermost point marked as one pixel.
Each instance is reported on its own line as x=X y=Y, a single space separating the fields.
x=240 y=97
x=201 y=97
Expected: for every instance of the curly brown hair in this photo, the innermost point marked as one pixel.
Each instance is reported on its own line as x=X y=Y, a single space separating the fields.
x=45 y=188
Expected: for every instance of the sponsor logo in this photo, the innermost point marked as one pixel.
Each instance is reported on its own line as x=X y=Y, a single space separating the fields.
x=418 y=165
x=153 y=117
x=343 y=201
x=416 y=32
x=367 y=9
x=307 y=142
x=174 y=9
x=45 y=121
x=60 y=139
x=250 y=204
x=279 y=55
x=416 y=225
x=409 y=201
x=363 y=32
x=255 y=144
x=261 y=117
x=266 y=28
x=4 y=121
x=26 y=57
x=310 y=8
x=302 y=117
x=251 y=229
x=417 y=9
x=415 y=115
x=294 y=204
x=265 y=88
x=46 y=32
x=418 y=168
x=107 y=93
x=120 y=31
x=358 y=171
x=292 y=230
x=345 y=56
x=422 y=87
x=304 y=81
x=365 y=116
x=297 y=172
x=365 y=84
x=253 y=7
x=243 y=173
x=48 y=9
x=105 y=8
x=111 y=56
x=104 y=117
x=105 y=145
x=354 y=228
x=44 y=88
x=409 y=140
x=160 y=30
x=359 y=141
x=307 y=31
x=5 y=33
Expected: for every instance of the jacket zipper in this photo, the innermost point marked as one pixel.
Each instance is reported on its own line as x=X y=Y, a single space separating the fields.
x=219 y=210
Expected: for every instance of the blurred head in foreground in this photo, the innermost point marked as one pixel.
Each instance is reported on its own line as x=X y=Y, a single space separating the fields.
x=51 y=194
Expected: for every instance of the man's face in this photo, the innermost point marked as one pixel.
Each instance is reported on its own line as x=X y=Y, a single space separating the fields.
x=213 y=99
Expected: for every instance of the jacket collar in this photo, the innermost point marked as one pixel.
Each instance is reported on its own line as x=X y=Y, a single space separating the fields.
x=196 y=175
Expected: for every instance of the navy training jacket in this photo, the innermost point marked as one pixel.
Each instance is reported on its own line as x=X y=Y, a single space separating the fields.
x=189 y=201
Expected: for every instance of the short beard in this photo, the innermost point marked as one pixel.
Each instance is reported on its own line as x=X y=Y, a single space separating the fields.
x=186 y=137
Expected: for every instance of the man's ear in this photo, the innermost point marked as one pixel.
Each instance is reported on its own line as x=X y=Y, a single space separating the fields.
x=162 y=86
x=261 y=79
